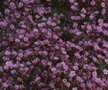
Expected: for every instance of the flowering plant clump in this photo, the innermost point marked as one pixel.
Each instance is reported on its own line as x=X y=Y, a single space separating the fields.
x=54 y=45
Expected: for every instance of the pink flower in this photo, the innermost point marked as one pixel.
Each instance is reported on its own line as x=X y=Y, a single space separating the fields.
x=78 y=55
x=94 y=74
x=93 y=2
x=71 y=1
x=25 y=39
x=55 y=37
x=72 y=74
x=12 y=5
x=105 y=71
x=105 y=45
x=7 y=52
x=5 y=84
x=74 y=88
x=103 y=4
x=89 y=27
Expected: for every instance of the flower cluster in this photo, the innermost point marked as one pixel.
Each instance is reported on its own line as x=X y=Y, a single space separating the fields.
x=54 y=45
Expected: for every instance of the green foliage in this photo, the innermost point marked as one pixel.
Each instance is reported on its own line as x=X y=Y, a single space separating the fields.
x=62 y=7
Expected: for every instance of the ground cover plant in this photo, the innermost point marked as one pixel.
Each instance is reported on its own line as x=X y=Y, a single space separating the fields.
x=53 y=44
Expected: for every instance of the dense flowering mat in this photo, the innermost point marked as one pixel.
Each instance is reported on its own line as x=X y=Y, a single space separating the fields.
x=53 y=45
